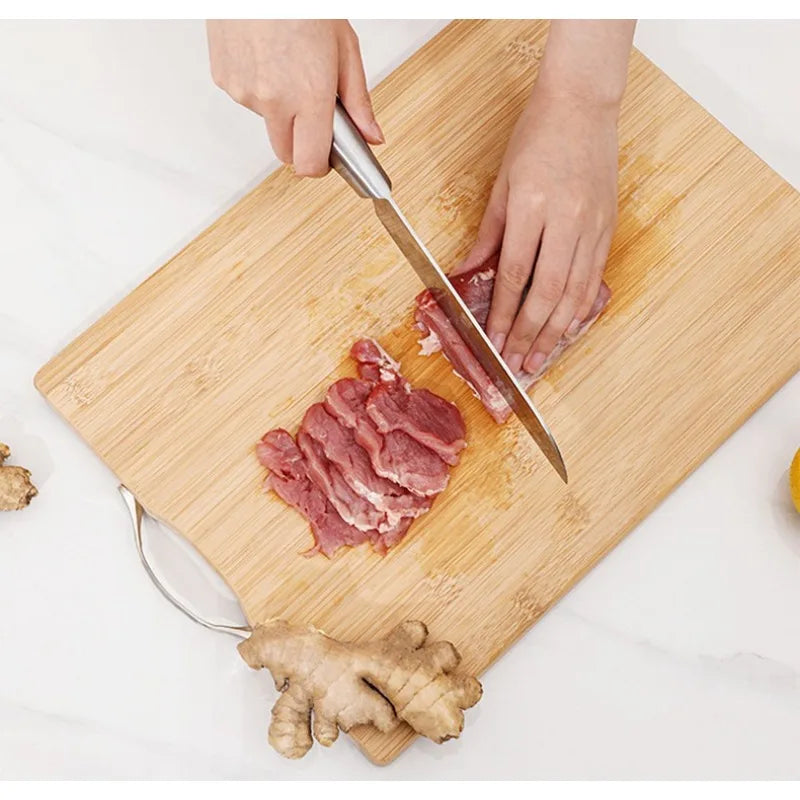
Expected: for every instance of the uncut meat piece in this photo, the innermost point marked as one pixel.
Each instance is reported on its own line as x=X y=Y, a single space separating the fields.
x=476 y=288
x=441 y=335
x=289 y=479
x=394 y=456
x=393 y=405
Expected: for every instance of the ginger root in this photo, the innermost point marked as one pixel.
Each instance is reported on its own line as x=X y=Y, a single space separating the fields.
x=350 y=683
x=16 y=489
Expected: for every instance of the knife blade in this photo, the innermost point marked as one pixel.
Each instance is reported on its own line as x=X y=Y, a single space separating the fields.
x=352 y=158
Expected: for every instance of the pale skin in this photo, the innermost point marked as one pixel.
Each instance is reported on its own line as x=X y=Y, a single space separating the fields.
x=553 y=208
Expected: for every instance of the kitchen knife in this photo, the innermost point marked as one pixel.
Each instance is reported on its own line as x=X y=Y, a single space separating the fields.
x=352 y=158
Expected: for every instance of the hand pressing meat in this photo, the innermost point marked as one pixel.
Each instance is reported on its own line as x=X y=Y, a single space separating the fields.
x=553 y=208
x=369 y=460
x=476 y=287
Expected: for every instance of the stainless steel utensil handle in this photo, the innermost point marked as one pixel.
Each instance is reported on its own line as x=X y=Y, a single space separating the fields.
x=353 y=159
x=137 y=512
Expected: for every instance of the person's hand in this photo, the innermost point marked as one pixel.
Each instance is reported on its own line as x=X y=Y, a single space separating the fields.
x=553 y=205
x=289 y=72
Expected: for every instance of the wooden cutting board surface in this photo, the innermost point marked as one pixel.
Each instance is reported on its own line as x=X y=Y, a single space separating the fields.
x=249 y=324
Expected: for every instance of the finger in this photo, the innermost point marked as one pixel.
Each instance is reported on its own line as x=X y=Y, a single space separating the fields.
x=280 y=131
x=523 y=230
x=564 y=315
x=313 y=131
x=353 y=90
x=549 y=279
x=596 y=277
x=490 y=233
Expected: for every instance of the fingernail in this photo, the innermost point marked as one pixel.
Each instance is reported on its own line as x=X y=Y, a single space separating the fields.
x=498 y=340
x=377 y=132
x=533 y=363
x=573 y=327
x=514 y=362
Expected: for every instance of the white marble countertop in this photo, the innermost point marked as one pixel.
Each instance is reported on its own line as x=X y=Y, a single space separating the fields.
x=677 y=657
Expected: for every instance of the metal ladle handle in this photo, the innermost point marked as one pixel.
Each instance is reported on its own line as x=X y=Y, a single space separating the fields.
x=353 y=159
x=137 y=513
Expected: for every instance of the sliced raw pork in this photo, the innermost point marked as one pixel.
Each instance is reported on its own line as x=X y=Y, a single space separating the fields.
x=476 y=288
x=394 y=405
x=352 y=507
x=367 y=461
x=394 y=455
x=289 y=479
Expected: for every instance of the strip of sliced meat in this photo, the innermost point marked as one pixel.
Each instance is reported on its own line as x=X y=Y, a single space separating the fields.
x=407 y=462
x=394 y=456
x=352 y=507
x=289 y=479
x=476 y=288
x=344 y=400
x=393 y=405
x=426 y=417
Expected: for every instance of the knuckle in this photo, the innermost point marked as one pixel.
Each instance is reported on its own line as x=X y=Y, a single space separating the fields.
x=533 y=320
x=240 y=93
x=235 y=90
x=600 y=219
x=534 y=199
x=576 y=291
x=550 y=291
x=519 y=342
x=551 y=333
x=219 y=77
x=573 y=207
x=269 y=100
x=514 y=275
x=318 y=97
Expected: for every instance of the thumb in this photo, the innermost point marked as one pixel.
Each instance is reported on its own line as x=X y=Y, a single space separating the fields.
x=490 y=233
x=353 y=91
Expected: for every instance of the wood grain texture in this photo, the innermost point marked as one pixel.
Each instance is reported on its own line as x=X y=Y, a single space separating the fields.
x=245 y=327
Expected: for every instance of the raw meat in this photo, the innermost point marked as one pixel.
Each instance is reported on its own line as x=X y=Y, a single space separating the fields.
x=369 y=460
x=289 y=479
x=395 y=456
x=476 y=288
x=352 y=507
x=374 y=363
x=393 y=405
x=346 y=400
x=441 y=335
x=424 y=416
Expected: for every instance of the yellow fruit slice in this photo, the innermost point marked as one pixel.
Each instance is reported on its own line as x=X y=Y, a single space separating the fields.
x=794 y=480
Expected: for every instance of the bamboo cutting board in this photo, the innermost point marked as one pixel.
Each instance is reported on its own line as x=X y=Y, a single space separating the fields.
x=248 y=325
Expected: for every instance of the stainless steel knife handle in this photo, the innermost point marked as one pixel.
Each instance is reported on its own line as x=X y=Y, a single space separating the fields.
x=353 y=159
